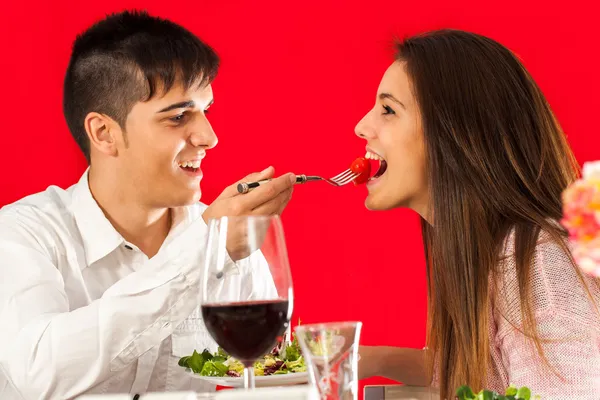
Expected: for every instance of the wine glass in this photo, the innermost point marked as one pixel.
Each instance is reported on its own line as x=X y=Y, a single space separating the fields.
x=247 y=295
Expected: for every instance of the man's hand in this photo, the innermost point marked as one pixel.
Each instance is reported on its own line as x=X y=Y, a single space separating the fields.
x=267 y=199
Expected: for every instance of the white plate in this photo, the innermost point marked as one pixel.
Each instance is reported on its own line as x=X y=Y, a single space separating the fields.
x=294 y=378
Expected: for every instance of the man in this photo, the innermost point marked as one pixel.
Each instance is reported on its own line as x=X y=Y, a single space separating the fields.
x=100 y=281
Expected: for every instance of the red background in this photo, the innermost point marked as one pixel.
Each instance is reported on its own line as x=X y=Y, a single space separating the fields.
x=295 y=79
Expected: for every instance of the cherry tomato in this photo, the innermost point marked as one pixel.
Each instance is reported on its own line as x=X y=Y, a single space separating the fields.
x=361 y=166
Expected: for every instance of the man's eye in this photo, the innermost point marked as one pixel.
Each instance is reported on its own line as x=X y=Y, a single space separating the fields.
x=179 y=118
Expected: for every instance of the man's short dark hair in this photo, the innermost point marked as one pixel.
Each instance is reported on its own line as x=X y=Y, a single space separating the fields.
x=126 y=58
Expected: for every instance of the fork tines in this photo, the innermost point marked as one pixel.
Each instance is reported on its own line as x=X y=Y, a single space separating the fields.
x=344 y=177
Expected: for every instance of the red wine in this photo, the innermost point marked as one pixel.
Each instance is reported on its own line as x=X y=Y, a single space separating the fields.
x=247 y=331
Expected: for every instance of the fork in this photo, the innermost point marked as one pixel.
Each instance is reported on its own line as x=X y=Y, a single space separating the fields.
x=340 y=179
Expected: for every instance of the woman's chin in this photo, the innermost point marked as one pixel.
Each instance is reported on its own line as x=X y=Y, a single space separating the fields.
x=373 y=203
x=370 y=206
x=379 y=200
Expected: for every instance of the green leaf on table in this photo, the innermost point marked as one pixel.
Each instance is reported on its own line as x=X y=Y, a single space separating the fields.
x=221 y=352
x=465 y=393
x=296 y=366
x=207 y=355
x=212 y=368
x=183 y=361
x=512 y=393
x=281 y=372
x=196 y=362
x=292 y=353
x=511 y=390
x=524 y=393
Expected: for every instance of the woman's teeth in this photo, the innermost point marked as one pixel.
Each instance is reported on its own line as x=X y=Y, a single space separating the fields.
x=373 y=156
x=382 y=164
x=190 y=164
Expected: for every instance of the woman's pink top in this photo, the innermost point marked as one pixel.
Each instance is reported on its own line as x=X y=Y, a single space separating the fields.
x=565 y=316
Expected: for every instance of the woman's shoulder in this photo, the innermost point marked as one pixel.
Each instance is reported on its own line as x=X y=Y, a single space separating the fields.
x=564 y=304
x=555 y=285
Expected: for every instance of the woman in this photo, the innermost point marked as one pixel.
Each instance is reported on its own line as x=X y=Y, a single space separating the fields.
x=471 y=144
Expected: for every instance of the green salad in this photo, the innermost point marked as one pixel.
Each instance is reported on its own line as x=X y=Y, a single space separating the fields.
x=512 y=393
x=283 y=359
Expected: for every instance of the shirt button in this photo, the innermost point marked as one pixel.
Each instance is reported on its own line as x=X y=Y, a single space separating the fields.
x=166 y=325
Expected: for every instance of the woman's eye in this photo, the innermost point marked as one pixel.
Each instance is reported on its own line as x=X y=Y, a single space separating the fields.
x=388 y=110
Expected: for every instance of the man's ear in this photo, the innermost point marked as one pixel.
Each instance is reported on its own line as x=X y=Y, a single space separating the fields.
x=104 y=133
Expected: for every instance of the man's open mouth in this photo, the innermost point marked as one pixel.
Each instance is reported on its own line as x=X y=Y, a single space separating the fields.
x=191 y=166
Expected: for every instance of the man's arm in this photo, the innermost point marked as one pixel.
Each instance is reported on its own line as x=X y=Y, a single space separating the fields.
x=48 y=350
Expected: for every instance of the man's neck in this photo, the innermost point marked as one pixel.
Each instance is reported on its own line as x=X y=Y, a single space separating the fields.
x=142 y=226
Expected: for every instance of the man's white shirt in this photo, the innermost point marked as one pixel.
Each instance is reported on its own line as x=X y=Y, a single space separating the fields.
x=84 y=311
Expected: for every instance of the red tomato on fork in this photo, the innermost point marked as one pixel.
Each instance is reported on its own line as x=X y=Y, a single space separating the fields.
x=362 y=167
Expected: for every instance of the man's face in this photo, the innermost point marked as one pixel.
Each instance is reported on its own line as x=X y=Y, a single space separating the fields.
x=167 y=138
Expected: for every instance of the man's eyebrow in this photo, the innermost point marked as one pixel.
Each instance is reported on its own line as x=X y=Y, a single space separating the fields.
x=182 y=104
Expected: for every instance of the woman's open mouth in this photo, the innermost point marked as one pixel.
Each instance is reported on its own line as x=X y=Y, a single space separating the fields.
x=378 y=164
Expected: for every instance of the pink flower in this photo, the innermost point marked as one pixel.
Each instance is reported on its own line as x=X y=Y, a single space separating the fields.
x=581 y=209
x=581 y=217
x=587 y=256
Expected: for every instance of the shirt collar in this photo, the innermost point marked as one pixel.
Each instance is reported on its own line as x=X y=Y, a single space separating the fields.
x=97 y=233
x=99 y=236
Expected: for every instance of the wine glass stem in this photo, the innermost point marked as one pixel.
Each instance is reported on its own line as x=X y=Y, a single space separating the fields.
x=249 y=377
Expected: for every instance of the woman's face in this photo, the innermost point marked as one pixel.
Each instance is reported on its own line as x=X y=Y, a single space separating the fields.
x=392 y=130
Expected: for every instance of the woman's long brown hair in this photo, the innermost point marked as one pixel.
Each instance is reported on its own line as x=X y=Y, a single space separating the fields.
x=497 y=160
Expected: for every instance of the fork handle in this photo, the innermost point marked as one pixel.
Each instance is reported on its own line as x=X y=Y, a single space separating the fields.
x=245 y=187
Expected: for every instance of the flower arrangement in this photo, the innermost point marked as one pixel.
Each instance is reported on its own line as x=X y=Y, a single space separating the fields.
x=581 y=217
